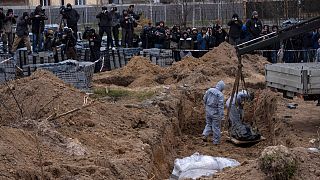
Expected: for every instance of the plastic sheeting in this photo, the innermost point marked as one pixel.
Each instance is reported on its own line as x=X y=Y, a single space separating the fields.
x=197 y=165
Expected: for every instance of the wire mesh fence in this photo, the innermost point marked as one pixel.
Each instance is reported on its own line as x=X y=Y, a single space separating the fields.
x=196 y=14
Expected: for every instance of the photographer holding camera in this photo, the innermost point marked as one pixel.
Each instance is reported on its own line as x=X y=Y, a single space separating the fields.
x=105 y=25
x=94 y=44
x=127 y=23
x=160 y=35
x=22 y=33
x=37 y=18
x=7 y=36
x=72 y=16
x=70 y=42
x=235 y=29
x=115 y=16
x=2 y=17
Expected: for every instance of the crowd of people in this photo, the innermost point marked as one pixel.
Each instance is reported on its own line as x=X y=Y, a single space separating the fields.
x=158 y=36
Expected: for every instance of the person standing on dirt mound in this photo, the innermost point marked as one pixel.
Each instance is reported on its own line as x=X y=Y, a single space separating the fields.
x=214 y=106
x=235 y=29
x=254 y=26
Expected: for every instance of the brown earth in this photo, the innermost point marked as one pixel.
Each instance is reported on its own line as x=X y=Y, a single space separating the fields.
x=220 y=63
x=126 y=138
x=99 y=141
x=307 y=167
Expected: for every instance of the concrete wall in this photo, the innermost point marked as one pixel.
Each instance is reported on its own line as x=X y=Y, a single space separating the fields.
x=13 y=2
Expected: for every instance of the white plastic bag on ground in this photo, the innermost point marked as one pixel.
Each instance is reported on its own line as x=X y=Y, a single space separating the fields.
x=198 y=165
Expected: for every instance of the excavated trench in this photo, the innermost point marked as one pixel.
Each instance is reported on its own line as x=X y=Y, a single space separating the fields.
x=186 y=116
x=186 y=113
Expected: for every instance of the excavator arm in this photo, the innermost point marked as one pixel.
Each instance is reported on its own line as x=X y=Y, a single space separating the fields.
x=286 y=33
x=267 y=40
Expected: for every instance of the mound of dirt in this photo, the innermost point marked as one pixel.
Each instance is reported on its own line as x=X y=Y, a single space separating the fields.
x=219 y=63
x=307 y=164
x=60 y=133
x=261 y=112
x=138 y=72
x=34 y=97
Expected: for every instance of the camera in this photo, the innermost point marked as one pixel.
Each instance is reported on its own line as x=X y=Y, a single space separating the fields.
x=104 y=9
x=131 y=19
x=62 y=9
x=67 y=31
x=88 y=33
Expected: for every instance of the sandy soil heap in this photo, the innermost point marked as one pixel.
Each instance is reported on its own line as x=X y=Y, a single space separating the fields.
x=219 y=63
x=98 y=141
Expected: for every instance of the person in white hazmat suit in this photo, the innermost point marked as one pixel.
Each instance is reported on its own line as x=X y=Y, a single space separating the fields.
x=236 y=110
x=238 y=129
x=214 y=107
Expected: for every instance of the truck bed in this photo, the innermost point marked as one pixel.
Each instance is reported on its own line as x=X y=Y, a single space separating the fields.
x=295 y=78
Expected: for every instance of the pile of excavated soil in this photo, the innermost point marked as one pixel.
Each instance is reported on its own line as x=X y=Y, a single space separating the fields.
x=307 y=168
x=219 y=63
x=96 y=140
x=33 y=97
x=261 y=112
x=138 y=72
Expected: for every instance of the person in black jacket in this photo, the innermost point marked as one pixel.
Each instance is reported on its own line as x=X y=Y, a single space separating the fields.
x=160 y=34
x=220 y=35
x=22 y=33
x=94 y=43
x=132 y=14
x=115 y=25
x=2 y=17
x=37 y=18
x=275 y=47
x=235 y=29
x=7 y=36
x=210 y=38
x=105 y=25
x=127 y=25
x=254 y=26
x=70 y=41
x=72 y=16
x=147 y=36
x=307 y=46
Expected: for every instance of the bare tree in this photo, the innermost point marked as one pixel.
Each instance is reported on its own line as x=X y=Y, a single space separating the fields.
x=186 y=10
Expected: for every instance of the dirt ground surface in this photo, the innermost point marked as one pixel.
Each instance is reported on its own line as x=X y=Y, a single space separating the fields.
x=49 y=130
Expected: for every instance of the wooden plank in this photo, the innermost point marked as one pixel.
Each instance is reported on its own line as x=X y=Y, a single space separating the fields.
x=281 y=69
x=314 y=80
x=315 y=72
x=285 y=82
x=286 y=88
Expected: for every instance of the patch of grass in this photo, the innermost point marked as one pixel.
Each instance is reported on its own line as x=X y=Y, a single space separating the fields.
x=118 y=93
x=143 y=95
x=122 y=93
